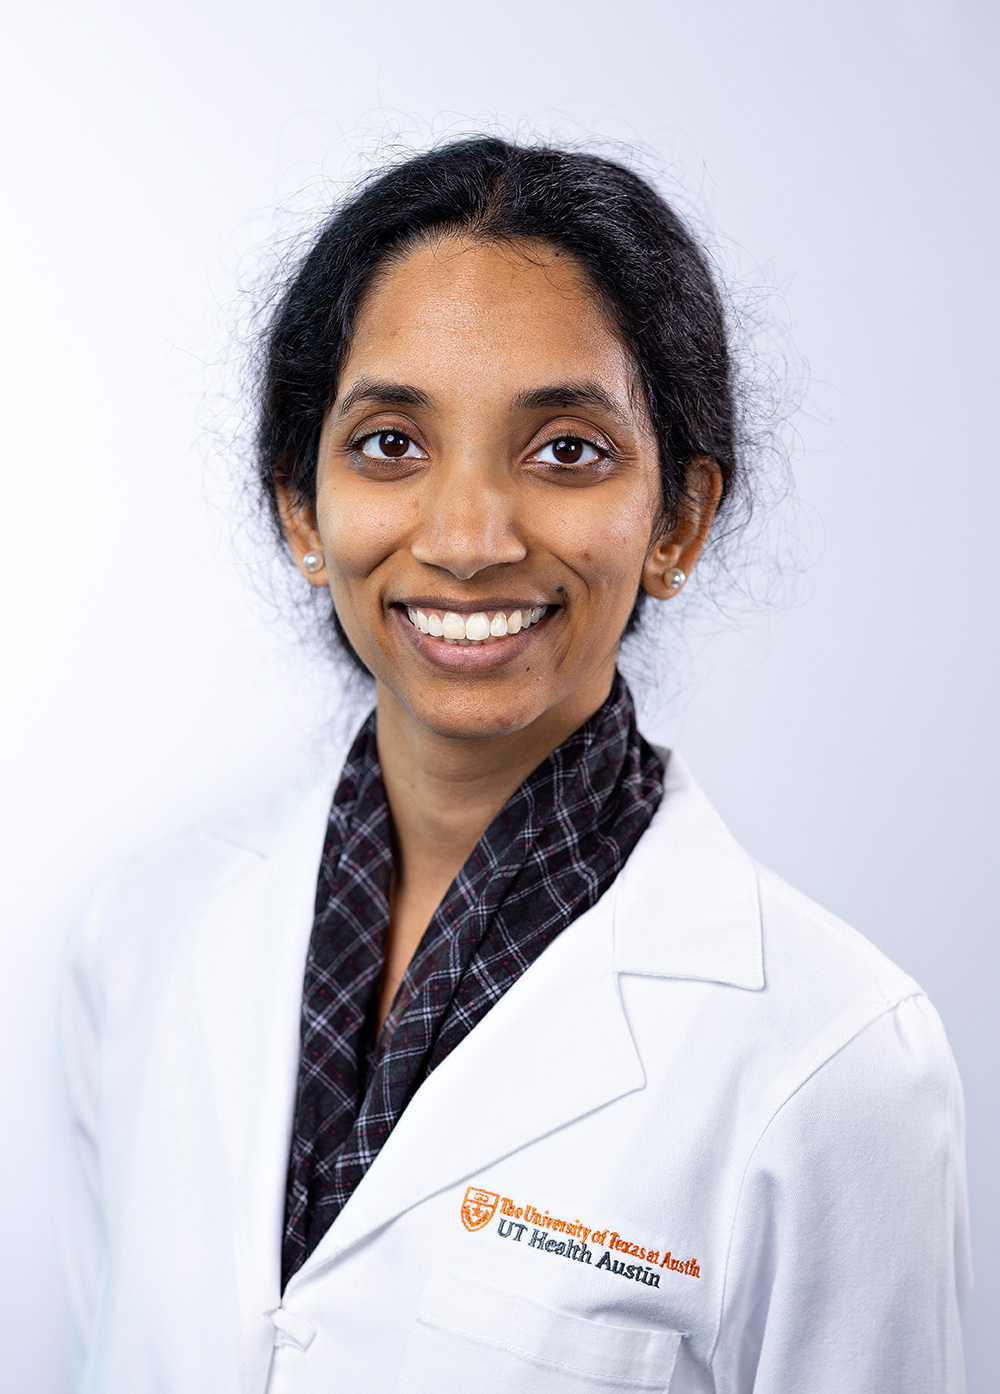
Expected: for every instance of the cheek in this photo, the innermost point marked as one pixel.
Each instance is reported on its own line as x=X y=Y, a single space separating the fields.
x=358 y=531
x=609 y=551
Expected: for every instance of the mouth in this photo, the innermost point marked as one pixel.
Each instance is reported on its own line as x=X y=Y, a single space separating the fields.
x=480 y=628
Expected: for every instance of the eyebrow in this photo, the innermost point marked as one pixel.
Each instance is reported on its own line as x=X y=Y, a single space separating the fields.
x=399 y=394
x=567 y=395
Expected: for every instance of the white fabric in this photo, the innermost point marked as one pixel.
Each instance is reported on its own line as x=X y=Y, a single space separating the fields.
x=704 y=1064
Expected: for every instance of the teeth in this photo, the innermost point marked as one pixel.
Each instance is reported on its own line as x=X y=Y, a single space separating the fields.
x=475 y=628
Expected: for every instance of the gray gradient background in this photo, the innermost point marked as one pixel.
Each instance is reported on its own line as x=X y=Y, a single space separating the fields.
x=849 y=149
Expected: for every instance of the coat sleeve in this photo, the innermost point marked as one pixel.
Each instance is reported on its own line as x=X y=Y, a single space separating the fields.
x=849 y=1257
x=77 y=1161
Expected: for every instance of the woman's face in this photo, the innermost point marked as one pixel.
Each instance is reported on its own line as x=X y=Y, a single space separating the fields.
x=488 y=490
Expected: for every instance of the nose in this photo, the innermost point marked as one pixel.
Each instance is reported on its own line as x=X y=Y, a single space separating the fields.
x=467 y=523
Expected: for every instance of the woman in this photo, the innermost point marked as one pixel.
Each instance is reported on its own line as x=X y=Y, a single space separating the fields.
x=492 y=1060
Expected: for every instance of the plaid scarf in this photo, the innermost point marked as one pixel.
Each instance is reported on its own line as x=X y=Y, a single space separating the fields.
x=550 y=853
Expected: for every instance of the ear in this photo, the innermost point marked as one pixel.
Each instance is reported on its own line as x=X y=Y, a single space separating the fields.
x=680 y=547
x=299 y=522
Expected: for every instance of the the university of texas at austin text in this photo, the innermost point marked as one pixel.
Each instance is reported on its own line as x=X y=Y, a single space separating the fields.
x=539 y=1230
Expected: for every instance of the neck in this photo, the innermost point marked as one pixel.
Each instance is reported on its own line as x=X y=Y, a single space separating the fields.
x=443 y=794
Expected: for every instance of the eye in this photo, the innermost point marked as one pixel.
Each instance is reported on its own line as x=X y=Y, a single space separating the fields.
x=388 y=445
x=568 y=451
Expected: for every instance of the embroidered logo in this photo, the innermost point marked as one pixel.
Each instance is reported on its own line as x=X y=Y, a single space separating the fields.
x=478 y=1207
x=539 y=1228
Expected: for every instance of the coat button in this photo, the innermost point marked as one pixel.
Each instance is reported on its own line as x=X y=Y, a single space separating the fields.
x=290 y=1330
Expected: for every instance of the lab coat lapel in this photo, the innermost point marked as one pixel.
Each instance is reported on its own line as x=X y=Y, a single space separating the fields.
x=249 y=960
x=688 y=903
x=555 y=1047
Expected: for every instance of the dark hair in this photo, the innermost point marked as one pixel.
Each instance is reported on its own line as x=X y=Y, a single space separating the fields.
x=651 y=275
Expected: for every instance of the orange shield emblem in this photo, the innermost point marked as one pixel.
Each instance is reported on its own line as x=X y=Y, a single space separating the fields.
x=478 y=1208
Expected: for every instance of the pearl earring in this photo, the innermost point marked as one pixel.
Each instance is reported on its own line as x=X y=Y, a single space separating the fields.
x=312 y=561
x=677 y=578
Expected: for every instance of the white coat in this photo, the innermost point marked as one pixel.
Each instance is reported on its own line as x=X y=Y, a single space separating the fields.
x=710 y=1141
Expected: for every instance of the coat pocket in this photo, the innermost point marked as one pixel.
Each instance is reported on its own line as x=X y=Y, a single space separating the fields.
x=474 y=1339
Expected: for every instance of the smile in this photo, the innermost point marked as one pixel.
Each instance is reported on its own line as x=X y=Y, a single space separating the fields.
x=481 y=627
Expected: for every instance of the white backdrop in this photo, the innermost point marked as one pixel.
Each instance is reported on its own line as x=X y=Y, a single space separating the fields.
x=848 y=147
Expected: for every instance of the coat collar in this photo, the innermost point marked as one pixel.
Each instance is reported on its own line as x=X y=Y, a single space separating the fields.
x=684 y=906
x=687 y=903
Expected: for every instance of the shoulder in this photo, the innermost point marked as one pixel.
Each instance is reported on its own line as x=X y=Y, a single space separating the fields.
x=868 y=1054
x=813 y=952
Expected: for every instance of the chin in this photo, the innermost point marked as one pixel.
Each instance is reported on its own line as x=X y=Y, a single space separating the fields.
x=464 y=717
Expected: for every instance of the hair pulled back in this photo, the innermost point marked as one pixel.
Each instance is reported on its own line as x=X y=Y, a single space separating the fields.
x=652 y=278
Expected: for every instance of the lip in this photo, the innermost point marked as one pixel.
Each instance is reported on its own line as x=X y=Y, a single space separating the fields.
x=470 y=607
x=468 y=658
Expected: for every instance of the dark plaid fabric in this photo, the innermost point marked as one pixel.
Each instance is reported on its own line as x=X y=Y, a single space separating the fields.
x=550 y=853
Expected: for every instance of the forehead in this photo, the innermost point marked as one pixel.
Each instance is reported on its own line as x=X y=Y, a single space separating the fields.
x=512 y=312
